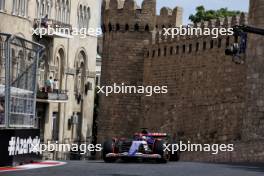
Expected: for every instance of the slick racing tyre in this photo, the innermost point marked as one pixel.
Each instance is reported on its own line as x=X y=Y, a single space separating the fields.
x=108 y=147
x=159 y=149
x=175 y=156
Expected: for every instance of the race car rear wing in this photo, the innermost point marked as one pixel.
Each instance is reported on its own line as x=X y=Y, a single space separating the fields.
x=152 y=134
x=157 y=134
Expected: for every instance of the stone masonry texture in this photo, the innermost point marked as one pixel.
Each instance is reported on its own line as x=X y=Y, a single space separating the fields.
x=210 y=99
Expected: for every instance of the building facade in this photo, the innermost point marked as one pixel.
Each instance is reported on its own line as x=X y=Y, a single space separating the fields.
x=64 y=109
x=210 y=99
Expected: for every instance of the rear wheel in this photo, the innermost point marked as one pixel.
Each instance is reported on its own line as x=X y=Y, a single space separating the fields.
x=159 y=149
x=175 y=156
x=108 y=147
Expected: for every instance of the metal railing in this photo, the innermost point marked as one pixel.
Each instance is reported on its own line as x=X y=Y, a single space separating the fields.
x=52 y=95
x=58 y=26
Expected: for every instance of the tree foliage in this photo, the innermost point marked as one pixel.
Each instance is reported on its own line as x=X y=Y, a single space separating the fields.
x=205 y=15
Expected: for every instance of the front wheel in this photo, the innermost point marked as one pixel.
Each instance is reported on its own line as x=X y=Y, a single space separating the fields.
x=108 y=147
x=159 y=149
x=175 y=156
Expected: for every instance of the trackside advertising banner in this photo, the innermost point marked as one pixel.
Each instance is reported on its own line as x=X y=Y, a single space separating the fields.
x=18 y=145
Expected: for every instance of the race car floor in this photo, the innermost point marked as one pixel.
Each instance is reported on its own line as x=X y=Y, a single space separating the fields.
x=99 y=168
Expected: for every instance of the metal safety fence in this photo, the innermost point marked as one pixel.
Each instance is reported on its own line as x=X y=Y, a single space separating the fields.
x=18 y=81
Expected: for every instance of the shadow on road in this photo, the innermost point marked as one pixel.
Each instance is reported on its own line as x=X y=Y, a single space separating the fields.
x=253 y=167
x=137 y=161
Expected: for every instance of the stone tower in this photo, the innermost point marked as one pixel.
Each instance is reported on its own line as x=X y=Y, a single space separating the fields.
x=127 y=31
x=254 y=120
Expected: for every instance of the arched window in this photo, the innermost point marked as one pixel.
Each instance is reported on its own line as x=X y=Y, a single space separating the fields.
x=14 y=7
x=2 y=4
x=88 y=17
x=23 y=8
x=78 y=18
x=48 y=9
x=57 y=10
x=80 y=73
x=84 y=16
x=26 y=8
x=42 y=9
x=38 y=7
x=63 y=11
x=19 y=4
x=43 y=72
x=59 y=66
x=81 y=16
x=67 y=12
x=60 y=11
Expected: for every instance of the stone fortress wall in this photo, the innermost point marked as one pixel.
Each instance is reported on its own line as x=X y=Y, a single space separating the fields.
x=210 y=98
x=206 y=89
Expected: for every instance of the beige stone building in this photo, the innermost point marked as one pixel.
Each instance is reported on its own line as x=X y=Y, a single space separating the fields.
x=66 y=114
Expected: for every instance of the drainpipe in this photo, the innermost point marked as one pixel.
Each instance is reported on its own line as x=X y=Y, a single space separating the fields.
x=66 y=79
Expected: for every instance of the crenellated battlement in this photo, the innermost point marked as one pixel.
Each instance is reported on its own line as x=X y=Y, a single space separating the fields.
x=169 y=17
x=227 y=22
x=179 y=45
x=126 y=15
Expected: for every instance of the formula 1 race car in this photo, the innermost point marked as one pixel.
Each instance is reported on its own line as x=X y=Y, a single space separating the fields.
x=144 y=145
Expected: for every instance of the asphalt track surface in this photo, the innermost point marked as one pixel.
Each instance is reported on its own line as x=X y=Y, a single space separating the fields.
x=99 y=168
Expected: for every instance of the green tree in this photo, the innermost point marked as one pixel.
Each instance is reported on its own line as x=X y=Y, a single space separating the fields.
x=205 y=15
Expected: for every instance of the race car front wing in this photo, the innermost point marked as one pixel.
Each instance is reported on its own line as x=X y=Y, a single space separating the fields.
x=136 y=155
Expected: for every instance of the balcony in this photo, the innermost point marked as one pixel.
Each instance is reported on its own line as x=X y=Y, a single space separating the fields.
x=59 y=96
x=52 y=28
